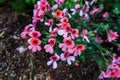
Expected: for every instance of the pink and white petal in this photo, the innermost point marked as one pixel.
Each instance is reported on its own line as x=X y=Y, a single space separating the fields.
x=72 y=58
x=75 y=53
x=71 y=50
x=101 y=75
x=49 y=62
x=51 y=50
x=65 y=34
x=86 y=38
x=72 y=45
x=47 y=50
x=73 y=11
x=46 y=23
x=61 y=45
x=81 y=13
x=34 y=49
x=61 y=32
x=30 y=47
x=77 y=36
x=46 y=46
x=54 y=65
x=53 y=13
x=50 y=29
x=29 y=40
x=69 y=15
x=62 y=57
x=64 y=48
x=38 y=48
x=54 y=6
x=68 y=61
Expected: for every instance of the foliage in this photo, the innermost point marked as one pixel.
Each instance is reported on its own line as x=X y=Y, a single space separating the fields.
x=93 y=26
x=19 y=5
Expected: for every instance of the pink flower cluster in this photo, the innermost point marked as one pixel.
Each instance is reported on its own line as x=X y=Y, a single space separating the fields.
x=70 y=50
x=113 y=70
x=112 y=36
x=84 y=11
x=39 y=11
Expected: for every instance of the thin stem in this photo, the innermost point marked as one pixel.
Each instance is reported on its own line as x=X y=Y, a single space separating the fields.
x=31 y=70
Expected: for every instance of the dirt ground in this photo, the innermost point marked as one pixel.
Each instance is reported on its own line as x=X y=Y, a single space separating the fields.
x=32 y=66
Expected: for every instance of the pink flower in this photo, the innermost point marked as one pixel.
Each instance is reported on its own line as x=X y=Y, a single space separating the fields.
x=103 y=75
x=68 y=43
x=105 y=15
x=50 y=24
x=38 y=15
x=116 y=59
x=54 y=32
x=99 y=40
x=84 y=31
x=52 y=41
x=87 y=6
x=84 y=35
x=78 y=49
x=63 y=32
x=64 y=19
x=58 y=14
x=66 y=56
x=113 y=66
x=53 y=59
x=41 y=7
x=60 y=1
x=95 y=10
x=113 y=70
x=66 y=12
x=27 y=28
x=54 y=6
x=34 y=34
x=112 y=36
x=34 y=44
x=74 y=33
x=91 y=3
x=115 y=73
x=65 y=29
x=49 y=47
x=34 y=22
x=23 y=35
x=77 y=7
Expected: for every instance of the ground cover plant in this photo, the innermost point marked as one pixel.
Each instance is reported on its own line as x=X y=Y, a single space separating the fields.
x=70 y=35
x=67 y=33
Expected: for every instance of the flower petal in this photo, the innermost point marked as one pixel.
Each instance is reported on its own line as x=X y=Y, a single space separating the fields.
x=68 y=61
x=54 y=65
x=49 y=62
x=72 y=58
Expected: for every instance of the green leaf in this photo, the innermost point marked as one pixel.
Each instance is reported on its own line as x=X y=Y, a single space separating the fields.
x=28 y=1
x=116 y=7
x=33 y=1
x=18 y=5
x=2 y=1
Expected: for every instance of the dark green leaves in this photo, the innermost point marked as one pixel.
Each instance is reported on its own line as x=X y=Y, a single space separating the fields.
x=30 y=1
x=2 y=1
